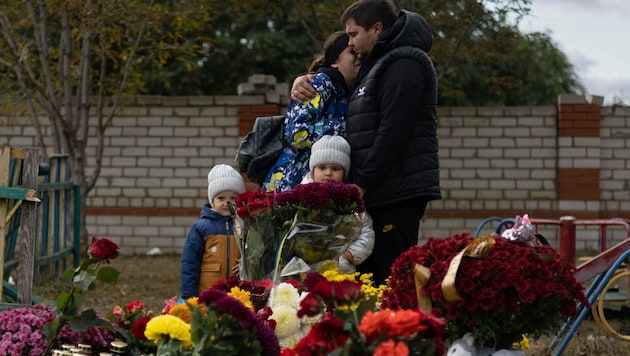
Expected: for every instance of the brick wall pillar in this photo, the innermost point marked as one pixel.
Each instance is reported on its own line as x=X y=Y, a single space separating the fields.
x=579 y=143
x=247 y=114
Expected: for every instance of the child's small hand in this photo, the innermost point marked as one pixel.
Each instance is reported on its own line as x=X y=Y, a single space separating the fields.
x=237 y=267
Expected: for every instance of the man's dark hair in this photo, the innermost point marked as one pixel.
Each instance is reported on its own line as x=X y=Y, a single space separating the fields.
x=368 y=12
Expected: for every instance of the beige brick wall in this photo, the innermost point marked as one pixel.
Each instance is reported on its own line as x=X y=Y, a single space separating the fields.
x=495 y=161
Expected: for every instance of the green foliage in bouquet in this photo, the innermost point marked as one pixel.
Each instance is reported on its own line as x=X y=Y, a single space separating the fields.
x=516 y=290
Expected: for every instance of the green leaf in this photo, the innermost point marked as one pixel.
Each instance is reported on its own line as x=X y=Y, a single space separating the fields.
x=107 y=274
x=78 y=325
x=83 y=280
x=63 y=300
x=107 y=325
x=67 y=275
x=50 y=329
x=79 y=300
x=88 y=315
x=88 y=262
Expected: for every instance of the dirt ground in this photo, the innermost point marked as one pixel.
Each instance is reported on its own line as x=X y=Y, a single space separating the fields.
x=149 y=279
x=154 y=279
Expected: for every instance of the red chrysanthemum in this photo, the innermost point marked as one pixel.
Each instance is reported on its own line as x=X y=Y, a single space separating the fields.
x=515 y=290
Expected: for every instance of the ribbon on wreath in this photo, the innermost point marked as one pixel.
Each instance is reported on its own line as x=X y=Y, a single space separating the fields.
x=479 y=248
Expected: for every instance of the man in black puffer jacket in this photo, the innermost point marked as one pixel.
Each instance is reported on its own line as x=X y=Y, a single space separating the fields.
x=391 y=125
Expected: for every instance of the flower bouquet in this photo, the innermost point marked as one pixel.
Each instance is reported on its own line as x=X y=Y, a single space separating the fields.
x=130 y=321
x=350 y=324
x=296 y=231
x=260 y=235
x=513 y=290
x=325 y=221
x=215 y=323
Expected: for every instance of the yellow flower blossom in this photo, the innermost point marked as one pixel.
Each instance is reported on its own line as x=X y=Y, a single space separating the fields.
x=243 y=296
x=169 y=327
x=522 y=345
x=367 y=286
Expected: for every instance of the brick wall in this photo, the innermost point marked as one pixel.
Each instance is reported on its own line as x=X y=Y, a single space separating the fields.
x=495 y=161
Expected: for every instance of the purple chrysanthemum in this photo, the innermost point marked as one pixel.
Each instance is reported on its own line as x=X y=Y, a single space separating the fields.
x=21 y=331
x=242 y=315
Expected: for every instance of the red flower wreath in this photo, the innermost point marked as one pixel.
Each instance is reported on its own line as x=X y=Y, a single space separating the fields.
x=516 y=290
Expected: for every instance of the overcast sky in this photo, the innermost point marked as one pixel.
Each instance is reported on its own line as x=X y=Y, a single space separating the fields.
x=595 y=36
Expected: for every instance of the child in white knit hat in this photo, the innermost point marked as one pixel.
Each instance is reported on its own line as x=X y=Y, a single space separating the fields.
x=330 y=160
x=211 y=251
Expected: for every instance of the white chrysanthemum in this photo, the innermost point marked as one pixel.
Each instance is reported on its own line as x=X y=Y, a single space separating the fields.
x=284 y=294
x=290 y=341
x=287 y=322
x=308 y=321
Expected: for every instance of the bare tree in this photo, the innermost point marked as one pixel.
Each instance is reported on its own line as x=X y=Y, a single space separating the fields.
x=74 y=62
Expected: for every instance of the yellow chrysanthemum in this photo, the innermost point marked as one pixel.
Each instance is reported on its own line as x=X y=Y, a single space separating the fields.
x=367 y=284
x=284 y=294
x=522 y=345
x=243 y=296
x=333 y=275
x=171 y=327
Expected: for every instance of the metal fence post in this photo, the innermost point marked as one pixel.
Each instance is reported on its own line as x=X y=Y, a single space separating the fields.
x=566 y=243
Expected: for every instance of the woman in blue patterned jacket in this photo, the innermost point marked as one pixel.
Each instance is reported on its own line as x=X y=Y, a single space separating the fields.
x=306 y=121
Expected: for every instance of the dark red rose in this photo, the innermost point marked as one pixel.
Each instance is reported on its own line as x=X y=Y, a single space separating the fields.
x=311 y=305
x=347 y=291
x=139 y=326
x=312 y=278
x=103 y=248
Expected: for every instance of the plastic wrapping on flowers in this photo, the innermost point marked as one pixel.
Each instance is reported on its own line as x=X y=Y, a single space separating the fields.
x=292 y=232
x=313 y=243
x=262 y=242
x=514 y=290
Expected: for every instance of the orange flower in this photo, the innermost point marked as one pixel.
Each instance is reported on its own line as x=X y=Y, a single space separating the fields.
x=405 y=323
x=388 y=348
x=183 y=312
x=373 y=324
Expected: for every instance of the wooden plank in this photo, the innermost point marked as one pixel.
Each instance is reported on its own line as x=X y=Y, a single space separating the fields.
x=18 y=193
x=5 y=155
x=26 y=234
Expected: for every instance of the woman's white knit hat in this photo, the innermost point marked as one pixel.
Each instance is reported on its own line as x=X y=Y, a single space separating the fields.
x=331 y=149
x=224 y=178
